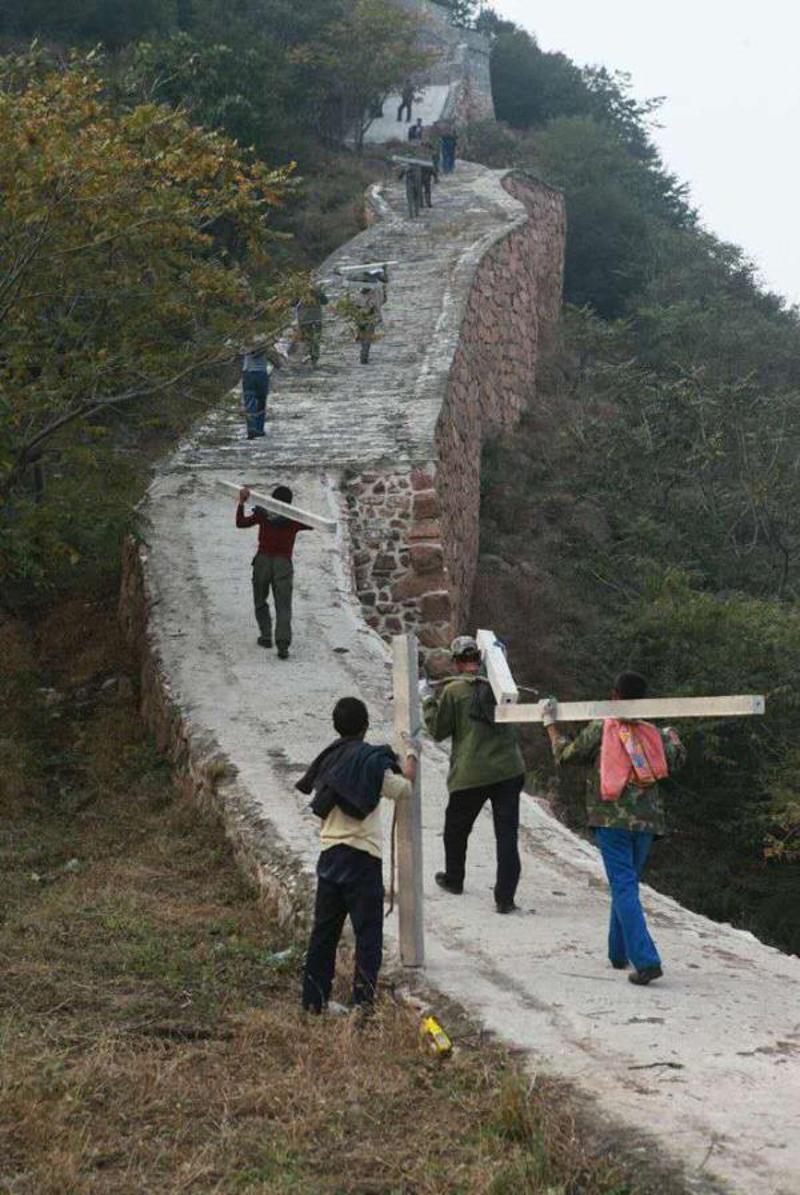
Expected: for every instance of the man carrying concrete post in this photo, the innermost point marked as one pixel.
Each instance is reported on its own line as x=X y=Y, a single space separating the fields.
x=429 y=176
x=413 y=177
x=272 y=568
x=308 y=310
x=486 y=764
x=348 y=780
x=369 y=317
x=625 y=811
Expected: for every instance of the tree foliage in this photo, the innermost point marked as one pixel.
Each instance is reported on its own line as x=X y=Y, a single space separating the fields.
x=357 y=60
x=115 y=23
x=121 y=278
x=462 y=12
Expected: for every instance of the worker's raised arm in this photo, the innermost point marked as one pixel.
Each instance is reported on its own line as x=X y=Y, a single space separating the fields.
x=243 y=520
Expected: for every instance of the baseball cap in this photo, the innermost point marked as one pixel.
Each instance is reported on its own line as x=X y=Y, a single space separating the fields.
x=464 y=645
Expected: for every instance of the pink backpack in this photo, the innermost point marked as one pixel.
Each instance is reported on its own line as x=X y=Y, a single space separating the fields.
x=631 y=753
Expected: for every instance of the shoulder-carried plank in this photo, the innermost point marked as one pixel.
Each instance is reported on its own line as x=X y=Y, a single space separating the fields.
x=284 y=508
x=744 y=706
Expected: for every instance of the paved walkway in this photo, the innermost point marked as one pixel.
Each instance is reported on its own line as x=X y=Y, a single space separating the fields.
x=344 y=413
x=708 y=1060
x=430 y=106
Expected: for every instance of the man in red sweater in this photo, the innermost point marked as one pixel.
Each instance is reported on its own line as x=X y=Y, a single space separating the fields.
x=272 y=567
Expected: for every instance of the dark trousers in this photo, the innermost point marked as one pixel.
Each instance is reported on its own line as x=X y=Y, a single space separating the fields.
x=405 y=106
x=349 y=884
x=462 y=810
x=274 y=573
x=255 y=388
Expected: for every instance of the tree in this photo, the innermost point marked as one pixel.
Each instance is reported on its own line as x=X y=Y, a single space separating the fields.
x=112 y=22
x=531 y=86
x=356 y=61
x=462 y=12
x=122 y=278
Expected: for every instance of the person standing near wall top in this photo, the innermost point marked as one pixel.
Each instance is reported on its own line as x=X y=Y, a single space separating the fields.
x=407 y=98
x=625 y=810
x=348 y=780
x=415 y=132
x=272 y=568
x=486 y=764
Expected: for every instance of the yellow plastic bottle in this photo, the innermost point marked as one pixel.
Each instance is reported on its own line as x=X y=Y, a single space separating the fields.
x=435 y=1037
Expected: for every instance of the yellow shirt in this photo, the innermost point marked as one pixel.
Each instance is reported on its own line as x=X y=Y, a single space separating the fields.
x=366 y=835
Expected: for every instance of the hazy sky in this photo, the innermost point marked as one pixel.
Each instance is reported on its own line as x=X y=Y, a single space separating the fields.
x=729 y=70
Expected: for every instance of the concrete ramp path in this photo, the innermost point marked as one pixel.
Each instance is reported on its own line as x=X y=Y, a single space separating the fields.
x=431 y=106
x=705 y=1065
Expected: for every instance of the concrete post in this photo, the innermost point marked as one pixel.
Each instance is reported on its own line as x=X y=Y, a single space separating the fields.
x=407 y=719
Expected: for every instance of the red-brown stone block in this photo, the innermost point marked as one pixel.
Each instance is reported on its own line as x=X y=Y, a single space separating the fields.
x=426 y=558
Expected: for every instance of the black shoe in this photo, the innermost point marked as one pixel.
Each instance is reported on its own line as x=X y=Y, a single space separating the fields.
x=263 y=641
x=283 y=652
x=443 y=880
x=506 y=906
x=619 y=964
x=645 y=975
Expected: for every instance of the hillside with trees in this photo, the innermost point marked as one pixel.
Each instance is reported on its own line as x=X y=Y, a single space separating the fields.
x=644 y=513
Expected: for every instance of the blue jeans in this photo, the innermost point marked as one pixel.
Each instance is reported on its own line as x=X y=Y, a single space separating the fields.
x=624 y=856
x=255 y=388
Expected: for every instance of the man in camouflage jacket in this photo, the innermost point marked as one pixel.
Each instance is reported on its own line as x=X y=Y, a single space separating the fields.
x=624 y=830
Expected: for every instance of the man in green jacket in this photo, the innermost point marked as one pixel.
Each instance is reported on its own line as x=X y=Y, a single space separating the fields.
x=485 y=765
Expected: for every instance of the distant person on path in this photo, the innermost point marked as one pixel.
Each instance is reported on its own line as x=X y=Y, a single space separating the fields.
x=255 y=385
x=308 y=311
x=368 y=318
x=415 y=132
x=413 y=177
x=430 y=175
x=625 y=810
x=486 y=764
x=449 y=142
x=272 y=568
x=407 y=98
x=348 y=780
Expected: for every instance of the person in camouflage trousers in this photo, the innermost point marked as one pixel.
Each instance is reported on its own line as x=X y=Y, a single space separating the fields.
x=624 y=830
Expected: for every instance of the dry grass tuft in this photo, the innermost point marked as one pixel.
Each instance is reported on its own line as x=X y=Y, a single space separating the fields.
x=149 y=1042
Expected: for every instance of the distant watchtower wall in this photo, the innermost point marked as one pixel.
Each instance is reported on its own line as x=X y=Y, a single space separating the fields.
x=462 y=63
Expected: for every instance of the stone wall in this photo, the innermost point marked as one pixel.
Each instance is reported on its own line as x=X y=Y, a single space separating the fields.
x=512 y=306
x=415 y=531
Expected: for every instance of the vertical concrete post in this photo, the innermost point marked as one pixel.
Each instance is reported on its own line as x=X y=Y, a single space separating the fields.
x=407 y=719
